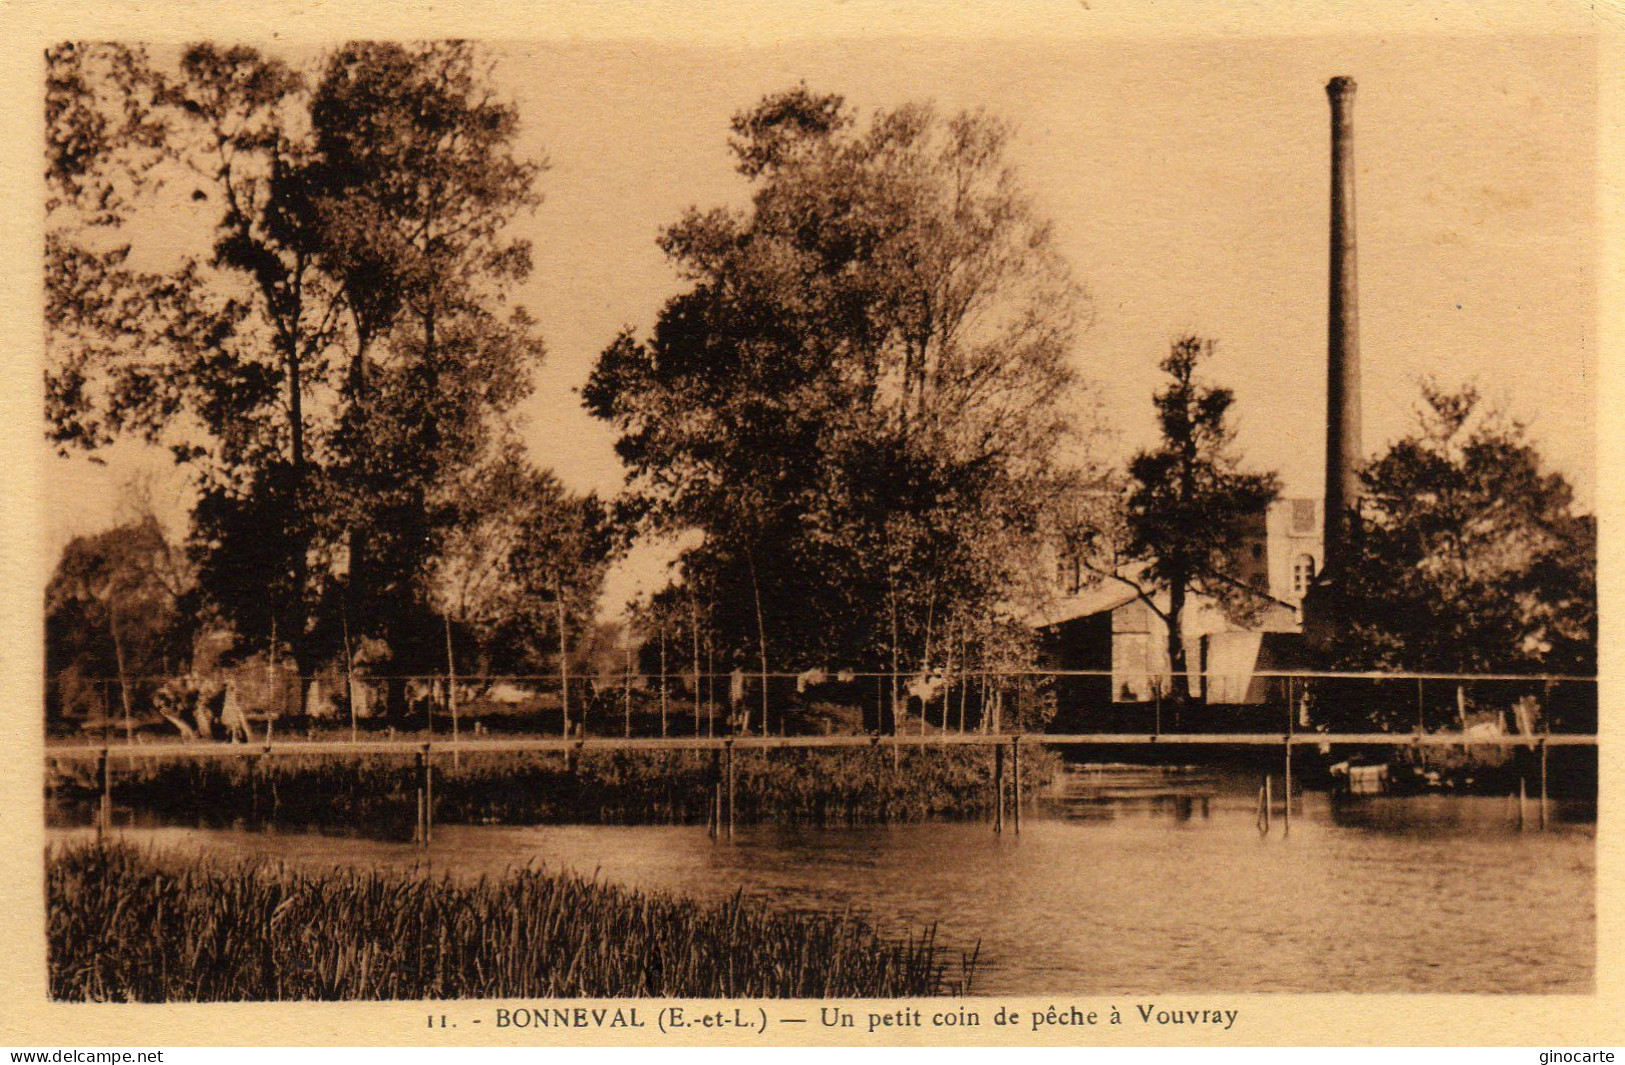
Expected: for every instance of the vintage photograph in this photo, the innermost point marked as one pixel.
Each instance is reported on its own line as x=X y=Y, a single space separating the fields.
x=836 y=518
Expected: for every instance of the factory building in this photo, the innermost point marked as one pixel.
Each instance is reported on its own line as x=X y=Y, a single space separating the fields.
x=1110 y=633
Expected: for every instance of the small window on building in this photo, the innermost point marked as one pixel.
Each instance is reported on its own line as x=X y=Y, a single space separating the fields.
x=1303 y=517
x=1069 y=576
x=1303 y=573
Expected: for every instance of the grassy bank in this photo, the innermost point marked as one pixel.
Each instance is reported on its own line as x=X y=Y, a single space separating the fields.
x=129 y=925
x=645 y=787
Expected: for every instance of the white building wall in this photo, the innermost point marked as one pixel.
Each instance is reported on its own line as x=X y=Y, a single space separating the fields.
x=1294 y=544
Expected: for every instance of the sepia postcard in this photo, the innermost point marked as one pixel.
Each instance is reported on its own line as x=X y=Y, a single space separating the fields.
x=850 y=524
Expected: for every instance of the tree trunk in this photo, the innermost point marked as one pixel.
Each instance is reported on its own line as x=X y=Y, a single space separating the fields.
x=694 y=625
x=349 y=679
x=964 y=678
x=356 y=592
x=890 y=728
x=1184 y=690
x=710 y=683
x=296 y=407
x=925 y=658
x=564 y=659
x=123 y=675
x=984 y=706
x=761 y=637
x=451 y=695
x=301 y=564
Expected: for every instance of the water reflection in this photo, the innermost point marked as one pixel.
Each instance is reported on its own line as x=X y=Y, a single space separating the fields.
x=1124 y=880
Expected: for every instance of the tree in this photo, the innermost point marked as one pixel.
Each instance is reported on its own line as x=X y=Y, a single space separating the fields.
x=343 y=352
x=558 y=567
x=107 y=131
x=417 y=182
x=103 y=131
x=1188 y=506
x=1470 y=556
x=522 y=566
x=863 y=393
x=115 y=607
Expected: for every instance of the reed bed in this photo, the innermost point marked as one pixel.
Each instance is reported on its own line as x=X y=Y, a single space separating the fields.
x=854 y=786
x=129 y=925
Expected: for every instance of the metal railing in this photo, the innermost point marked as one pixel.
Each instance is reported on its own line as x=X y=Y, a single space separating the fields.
x=998 y=710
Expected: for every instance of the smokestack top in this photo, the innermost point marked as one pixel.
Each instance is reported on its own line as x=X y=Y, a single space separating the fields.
x=1340 y=86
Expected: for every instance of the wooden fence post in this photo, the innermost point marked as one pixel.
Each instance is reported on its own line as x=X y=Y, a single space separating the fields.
x=716 y=793
x=1015 y=772
x=1286 y=814
x=731 y=790
x=104 y=814
x=451 y=700
x=428 y=796
x=417 y=790
x=1543 y=785
x=998 y=788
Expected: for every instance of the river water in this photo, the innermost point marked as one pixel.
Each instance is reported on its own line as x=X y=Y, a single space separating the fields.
x=1124 y=880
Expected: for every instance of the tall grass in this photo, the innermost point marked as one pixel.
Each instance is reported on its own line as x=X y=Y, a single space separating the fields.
x=806 y=786
x=130 y=925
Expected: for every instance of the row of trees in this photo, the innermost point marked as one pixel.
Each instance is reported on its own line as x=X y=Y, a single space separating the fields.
x=1469 y=555
x=337 y=364
x=864 y=400
x=861 y=416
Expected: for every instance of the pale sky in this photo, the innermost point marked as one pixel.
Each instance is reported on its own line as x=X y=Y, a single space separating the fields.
x=1188 y=185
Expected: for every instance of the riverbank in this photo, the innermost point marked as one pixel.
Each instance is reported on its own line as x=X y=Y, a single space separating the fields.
x=1064 y=908
x=808 y=786
x=155 y=926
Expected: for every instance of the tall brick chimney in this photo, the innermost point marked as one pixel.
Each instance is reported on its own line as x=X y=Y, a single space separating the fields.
x=1343 y=451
